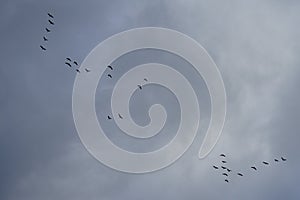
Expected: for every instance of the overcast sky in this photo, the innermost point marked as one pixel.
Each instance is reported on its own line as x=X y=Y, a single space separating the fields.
x=256 y=46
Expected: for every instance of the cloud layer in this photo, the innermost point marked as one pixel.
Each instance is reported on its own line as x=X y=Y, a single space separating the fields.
x=256 y=47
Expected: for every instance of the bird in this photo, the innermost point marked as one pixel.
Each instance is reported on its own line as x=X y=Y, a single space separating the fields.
x=68 y=64
x=226 y=181
x=224 y=174
x=283 y=159
x=43 y=48
x=223 y=161
x=222 y=155
x=109 y=75
x=145 y=79
x=87 y=70
x=108 y=117
x=120 y=116
x=48 y=30
x=50 y=15
x=215 y=167
x=51 y=22
x=77 y=70
x=45 y=39
x=276 y=160
x=223 y=167
x=69 y=59
x=240 y=174
x=229 y=170
x=110 y=67
x=254 y=168
x=139 y=86
x=75 y=63
x=266 y=163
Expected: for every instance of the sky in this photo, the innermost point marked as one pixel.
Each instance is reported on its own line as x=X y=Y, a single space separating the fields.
x=256 y=47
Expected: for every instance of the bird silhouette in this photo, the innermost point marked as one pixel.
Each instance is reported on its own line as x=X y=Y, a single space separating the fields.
x=215 y=167
x=276 y=160
x=223 y=167
x=75 y=63
x=266 y=163
x=283 y=159
x=68 y=64
x=50 y=15
x=110 y=67
x=254 y=168
x=240 y=174
x=109 y=75
x=43 y=48
x=77 y=70
x=120 y=116
x=222 y=155
x=108 y=117
x=87 y=70
x=224 y=174
x=68 y=59
x=48 y=30
x=139 y=86
x=145 y=79
x=224 y=161
x=226 y=180
x=51 y=22
x=229 y=170
x=45 y=39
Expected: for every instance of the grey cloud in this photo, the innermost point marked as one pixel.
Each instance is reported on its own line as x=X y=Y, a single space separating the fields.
x=255 y=45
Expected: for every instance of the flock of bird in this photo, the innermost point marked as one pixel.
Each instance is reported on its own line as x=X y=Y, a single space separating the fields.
x=226 y=171
x=110 y=76
x=70 y=63
x=68 y=60
x=48 y=30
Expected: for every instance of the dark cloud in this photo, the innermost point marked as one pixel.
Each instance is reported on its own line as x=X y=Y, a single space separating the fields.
x=255 y=45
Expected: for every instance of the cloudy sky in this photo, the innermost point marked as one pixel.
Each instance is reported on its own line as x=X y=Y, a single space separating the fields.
x=256 y=46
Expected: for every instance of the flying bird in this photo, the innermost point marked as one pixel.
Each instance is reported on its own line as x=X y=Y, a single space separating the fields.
x=45 y=39
x=50 y=15
x=110 y=67
x=226 y=181
x=51 y=22
x=108 y=117
x=87 y=70
x=266 y=163
x=109 y=75
x=77 y=70
x=75 y=63
x=68 y=64
x=139 y=86
x=276 y=160
x=145 y=79
x=222 y=155
x=240 y=174
x=43 y=48
x=254 y=168
x=283 y=159
x=223 y=161
x=224 y=174
x=48 y=30
x=69 y=59
x=223 y=167
x=215 y=167
x=229 y=170
x=120 y=116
